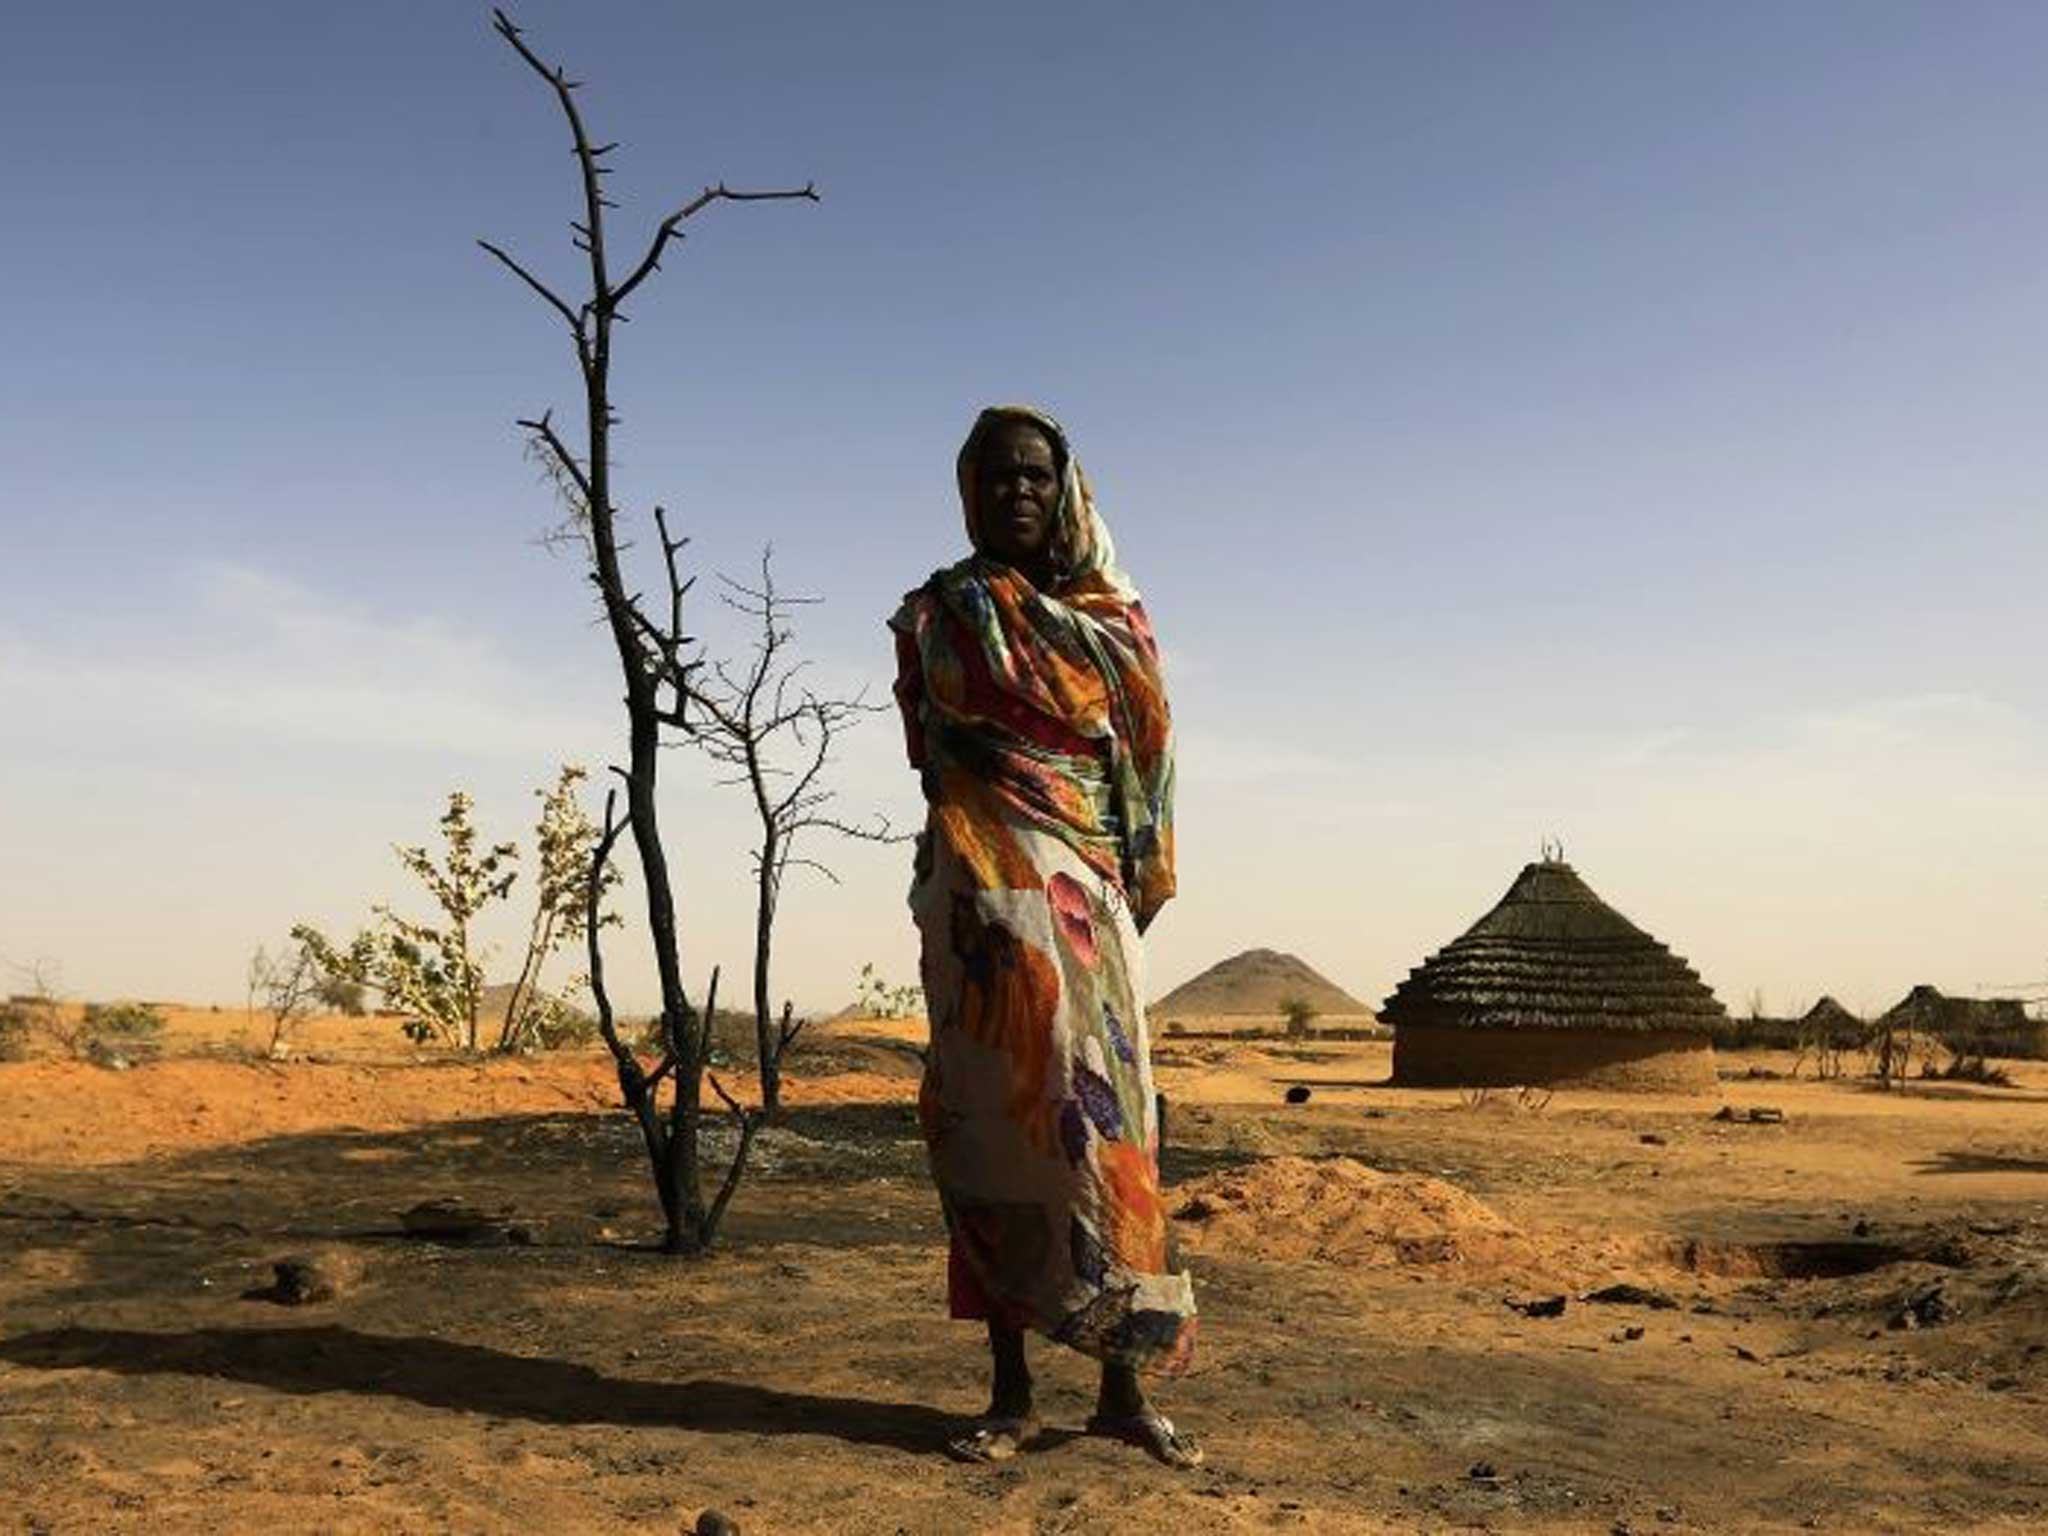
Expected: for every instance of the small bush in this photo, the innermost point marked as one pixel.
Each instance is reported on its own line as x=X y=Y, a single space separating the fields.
x=1299 y=1014
x=876 y=998
x=557 y=1025
x=647 y=1039
x=341 y=994
x=732 y=1039
x=1968 y=1069
x=16 y=1024
x=127 y=1021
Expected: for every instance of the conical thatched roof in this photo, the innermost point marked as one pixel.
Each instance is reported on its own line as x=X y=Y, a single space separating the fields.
x=1552 y=955
x=1830 y=1014
x=1929 y=1008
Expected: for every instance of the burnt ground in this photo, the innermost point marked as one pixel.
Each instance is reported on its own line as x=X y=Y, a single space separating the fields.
x=1848 y=1350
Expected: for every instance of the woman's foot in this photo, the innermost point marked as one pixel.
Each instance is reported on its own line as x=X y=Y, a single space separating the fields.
x=1009 y=1423
x=994 y=1438
x=1151 y=1431
x=1122 y=1412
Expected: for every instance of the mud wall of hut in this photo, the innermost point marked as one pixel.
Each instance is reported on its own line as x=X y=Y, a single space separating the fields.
x=1642 y=1061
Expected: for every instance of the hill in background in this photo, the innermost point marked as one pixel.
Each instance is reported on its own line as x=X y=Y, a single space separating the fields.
x=1258 y=981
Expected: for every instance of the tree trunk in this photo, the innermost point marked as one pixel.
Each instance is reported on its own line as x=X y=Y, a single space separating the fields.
x=766 y=1047
x=539 y=937
x=470 y=989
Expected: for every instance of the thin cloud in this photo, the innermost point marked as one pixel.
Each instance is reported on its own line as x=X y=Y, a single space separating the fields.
x=262 y=658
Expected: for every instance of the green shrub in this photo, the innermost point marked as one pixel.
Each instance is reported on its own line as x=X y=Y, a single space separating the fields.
x=127 y=1021
x=16 y=1024
x=556 y=1025
x=341 y=994
x=732 y=1039
x=1299 y=1014
x=1965 y=1068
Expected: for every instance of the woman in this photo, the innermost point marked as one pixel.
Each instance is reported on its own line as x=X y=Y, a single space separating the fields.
x=1035 y=712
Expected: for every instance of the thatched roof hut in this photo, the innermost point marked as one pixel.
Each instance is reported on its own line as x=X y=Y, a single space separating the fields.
x=1829 y=1014
x=1986 y=1026
x=1554 y=986
x=1827 y=1021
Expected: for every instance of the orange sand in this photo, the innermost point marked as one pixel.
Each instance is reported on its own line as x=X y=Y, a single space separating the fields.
x=79 y=1115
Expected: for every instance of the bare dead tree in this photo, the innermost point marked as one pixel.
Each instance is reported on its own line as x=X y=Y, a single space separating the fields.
x=289 y=983
x=42 y=1010
x=670 y=1135
x=35 y=1007
x=1893 y=1039
x=775 y=736
x=655 y=656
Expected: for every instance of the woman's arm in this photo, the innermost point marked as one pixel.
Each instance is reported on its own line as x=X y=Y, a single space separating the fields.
x=909 y=692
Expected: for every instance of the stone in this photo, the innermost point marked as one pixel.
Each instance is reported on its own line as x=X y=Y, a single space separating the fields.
x=452 y=1221
x=1930 y=1309
x=713 y=1522
x=301 y=1280
x=1626 y=1295
x=1762 y=1114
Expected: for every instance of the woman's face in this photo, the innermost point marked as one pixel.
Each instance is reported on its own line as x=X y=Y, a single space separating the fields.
x=1017 y=495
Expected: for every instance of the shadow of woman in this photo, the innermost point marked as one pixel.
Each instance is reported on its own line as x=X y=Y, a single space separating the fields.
x=473 y=1379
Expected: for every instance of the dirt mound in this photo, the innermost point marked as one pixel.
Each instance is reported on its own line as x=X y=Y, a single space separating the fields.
x=1336 y=1210
x=1259 y=981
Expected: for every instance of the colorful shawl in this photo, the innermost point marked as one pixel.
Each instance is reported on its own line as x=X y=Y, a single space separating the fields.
x=1054 y=698
x=1039 y=720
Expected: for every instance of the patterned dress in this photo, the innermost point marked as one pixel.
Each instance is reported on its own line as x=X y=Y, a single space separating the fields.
x=1039 y=723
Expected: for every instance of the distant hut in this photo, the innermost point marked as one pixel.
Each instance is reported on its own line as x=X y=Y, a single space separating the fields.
x=1968 y=1026
x=1829 y=1027
x=1828 y=1019
x=1553 y=986
x=1827 y=1032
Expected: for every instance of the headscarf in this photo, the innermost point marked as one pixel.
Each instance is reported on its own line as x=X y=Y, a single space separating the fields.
x=1080 y=545
x=1054 y=697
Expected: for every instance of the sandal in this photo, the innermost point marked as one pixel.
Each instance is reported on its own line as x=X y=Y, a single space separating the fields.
x=1152 y=1432
x=993 y=1439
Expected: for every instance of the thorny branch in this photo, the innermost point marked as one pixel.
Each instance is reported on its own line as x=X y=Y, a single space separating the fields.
x=542 y=429
x=754 y=721
x=575 y=320
x=671 y=227
x=654 y=658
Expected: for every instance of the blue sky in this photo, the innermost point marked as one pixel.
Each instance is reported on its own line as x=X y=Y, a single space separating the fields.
x=1611 y=423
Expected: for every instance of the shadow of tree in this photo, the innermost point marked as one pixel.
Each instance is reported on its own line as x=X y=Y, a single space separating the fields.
x=470 y=1378
x=1968 y=1160
x=849 y=1176
x=1934 y=1088
x=1177 y=1164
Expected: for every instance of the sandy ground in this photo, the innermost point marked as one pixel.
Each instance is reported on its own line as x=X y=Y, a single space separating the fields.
x=1364 y=1261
